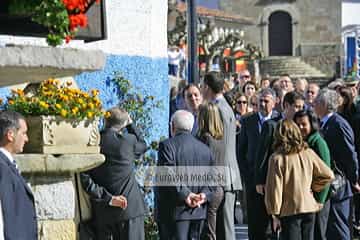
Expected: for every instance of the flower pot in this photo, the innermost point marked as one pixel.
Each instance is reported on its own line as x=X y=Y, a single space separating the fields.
x=56 y=135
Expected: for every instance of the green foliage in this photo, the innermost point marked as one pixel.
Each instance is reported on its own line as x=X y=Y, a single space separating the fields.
x=139 y=106
x=53 y=15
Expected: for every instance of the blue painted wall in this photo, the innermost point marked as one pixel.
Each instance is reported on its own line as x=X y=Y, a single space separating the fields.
x=148 y=75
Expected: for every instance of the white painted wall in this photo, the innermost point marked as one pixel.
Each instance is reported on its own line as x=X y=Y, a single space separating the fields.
x=135 y=27
x=350 y=13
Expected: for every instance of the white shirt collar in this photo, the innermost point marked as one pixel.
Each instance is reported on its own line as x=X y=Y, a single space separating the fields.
x=7 y=154
x=264 y=118
x=326 y=118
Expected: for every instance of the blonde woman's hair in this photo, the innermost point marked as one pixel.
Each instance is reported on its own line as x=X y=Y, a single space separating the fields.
x=288 y=138
x=209 y=121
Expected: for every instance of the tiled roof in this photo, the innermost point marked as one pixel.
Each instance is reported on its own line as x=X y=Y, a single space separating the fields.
x=218 y=14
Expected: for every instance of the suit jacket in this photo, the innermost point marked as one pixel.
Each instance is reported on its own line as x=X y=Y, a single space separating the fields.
x=116 y=177
x=181 y=150
x=17 y=202
x=247 y=144
x=264 y=149
x=340 y=138
x=230 y=161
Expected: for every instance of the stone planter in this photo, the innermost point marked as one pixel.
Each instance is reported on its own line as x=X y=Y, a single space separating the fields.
x=55 y=135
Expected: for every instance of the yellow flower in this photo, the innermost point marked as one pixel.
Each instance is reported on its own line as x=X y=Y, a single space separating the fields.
x=11 y=102
x=90 y=114
x=91 y=105
x=68 y=83
x=95 y=92
x=84 y=105
x=63 y=112
x=80 y=101
x=75 y=110
x=58 y=106
x=43 y=104
x=107 y=114
x=20 y=92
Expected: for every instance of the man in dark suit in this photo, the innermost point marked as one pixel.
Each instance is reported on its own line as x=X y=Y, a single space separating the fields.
x=340 y=139
x=212 y=92
x=117 y=203
x=181 y=209
x=292 y=103
x=258 y=219
x=16 y=198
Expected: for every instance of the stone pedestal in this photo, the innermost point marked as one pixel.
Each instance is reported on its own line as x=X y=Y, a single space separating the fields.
x=52 y=179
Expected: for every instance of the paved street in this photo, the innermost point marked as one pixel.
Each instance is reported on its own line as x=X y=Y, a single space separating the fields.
x=241 y=232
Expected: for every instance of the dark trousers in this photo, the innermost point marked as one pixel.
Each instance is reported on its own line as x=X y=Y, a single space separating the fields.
x=132 y=229
x=321 y=221
x=338 y=225
x=189 y=229
x=298 y=227
x=166 y=230
x=258 y=219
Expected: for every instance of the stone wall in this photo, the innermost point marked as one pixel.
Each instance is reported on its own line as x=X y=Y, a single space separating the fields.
x=137 y=48
x=314 y=22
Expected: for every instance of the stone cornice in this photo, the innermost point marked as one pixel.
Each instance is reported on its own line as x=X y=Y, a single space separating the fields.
x=24 y=63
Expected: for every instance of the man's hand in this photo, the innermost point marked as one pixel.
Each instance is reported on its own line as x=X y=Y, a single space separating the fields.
x=195 y=200
x=356 y=187
x=119 y=201
x=260 y=189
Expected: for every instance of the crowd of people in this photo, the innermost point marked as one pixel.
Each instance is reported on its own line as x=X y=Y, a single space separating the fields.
x=294 y=146
x=289 y=153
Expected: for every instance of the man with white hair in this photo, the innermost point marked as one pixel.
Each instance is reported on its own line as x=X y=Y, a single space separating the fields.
x=340 y=138
x=181 y=209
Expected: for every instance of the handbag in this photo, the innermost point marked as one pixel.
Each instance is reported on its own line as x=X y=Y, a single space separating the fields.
x=339 y=183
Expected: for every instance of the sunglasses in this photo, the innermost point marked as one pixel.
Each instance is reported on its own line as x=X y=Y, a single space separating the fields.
x=242 y=102
x=264 y=100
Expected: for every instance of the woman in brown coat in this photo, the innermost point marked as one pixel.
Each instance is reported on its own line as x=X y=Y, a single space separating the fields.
x=294 y=173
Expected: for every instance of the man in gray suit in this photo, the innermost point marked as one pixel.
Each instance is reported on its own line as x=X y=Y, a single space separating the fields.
x=213 y=92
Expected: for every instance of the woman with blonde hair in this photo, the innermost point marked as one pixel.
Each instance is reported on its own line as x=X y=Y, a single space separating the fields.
x=211 y=132
x=294 y=173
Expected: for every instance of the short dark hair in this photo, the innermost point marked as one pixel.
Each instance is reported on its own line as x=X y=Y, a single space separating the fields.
x=189 y=86
x=214 y=81
x=9 y=120
x=292 y=96
x=314 y=121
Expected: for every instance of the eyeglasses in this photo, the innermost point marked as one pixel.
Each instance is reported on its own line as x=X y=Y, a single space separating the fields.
x=241 y=102
x=253 y=104
x=264 y=100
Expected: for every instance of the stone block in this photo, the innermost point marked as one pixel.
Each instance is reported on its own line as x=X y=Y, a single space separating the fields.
x=57 y=230
x=19 y=64
x=55 y=201
x=50 y=164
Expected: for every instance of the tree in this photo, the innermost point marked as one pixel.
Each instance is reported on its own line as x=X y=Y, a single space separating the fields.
x=211 y=40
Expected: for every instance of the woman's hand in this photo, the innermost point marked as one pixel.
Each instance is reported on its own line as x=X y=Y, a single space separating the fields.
x=276 y=225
